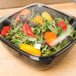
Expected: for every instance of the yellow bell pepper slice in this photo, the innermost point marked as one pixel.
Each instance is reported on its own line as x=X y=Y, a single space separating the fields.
x=30 y=49
x=47 y=16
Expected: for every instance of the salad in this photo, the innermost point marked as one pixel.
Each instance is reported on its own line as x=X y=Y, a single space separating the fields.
x=38 y=34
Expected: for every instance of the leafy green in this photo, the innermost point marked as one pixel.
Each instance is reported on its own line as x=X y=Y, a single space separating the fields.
x=16 y=36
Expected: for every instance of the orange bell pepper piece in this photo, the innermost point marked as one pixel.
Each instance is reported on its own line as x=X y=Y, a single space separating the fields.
x=50 y=37
x=38 y=19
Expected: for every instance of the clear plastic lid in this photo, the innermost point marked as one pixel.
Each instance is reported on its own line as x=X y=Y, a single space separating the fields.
x=39 y=31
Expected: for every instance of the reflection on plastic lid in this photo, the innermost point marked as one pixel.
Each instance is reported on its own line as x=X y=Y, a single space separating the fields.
x=62 y=36
x=34 y=58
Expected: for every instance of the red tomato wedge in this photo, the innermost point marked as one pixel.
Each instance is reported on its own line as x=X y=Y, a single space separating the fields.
x=62 y=23
x=5 y=30
x=26 y=29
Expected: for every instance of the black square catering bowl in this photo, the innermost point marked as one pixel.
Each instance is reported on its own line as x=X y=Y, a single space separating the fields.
x=41 y=62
